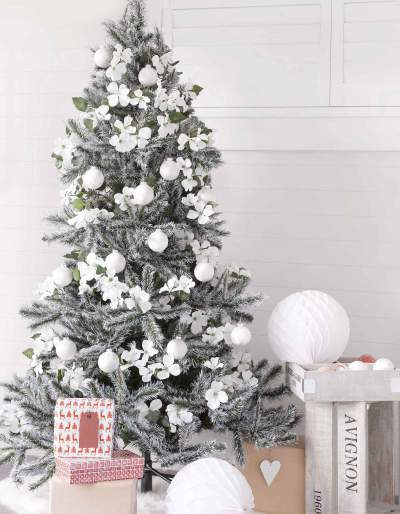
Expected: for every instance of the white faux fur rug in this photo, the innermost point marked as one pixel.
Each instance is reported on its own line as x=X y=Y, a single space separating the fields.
x=15 y=500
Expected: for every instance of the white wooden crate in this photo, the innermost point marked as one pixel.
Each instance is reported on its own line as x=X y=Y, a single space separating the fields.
x=352 y=439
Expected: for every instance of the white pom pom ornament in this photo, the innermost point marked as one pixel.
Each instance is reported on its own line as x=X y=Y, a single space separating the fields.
x=62 y=276
x=148 y=76
x=65 y=349
x=169 y=169
x=204 y=271
x=93 y=178
x=308 y=327
x=383 y=365
x=143 y=194
x=177 y=348
x=240 y=335
x=102 y=57
x=209 y=486
x=157 y=241
x=115 y=262
x=108 y=361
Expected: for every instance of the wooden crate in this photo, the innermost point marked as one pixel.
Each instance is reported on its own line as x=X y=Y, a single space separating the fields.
x=352 y=439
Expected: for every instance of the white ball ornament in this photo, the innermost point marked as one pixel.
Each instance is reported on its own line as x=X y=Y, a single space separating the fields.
x=65 y=349
x=308 y=327
x=102 y=57
x=108 y=361
x=209 y=486
x=143 y=194
x=177 y=348
x=115 y=262
x=383 y=365
x=204 y=271
x=169 y=169
x=62 y=276
x=240 y=335
x=93 y=178
x=207 y=195
x=358 y=366
x=148 y=76
x=157 y=241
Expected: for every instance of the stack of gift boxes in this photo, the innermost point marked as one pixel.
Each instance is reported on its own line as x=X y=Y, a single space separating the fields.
x=90 y=477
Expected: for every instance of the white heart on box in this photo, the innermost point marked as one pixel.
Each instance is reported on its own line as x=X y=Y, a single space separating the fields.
x=270 y=470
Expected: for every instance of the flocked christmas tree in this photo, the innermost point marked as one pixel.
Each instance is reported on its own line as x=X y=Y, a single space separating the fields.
x=139 y=311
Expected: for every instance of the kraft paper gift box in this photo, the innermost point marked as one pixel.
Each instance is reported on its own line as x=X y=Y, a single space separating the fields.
x=117 y=497
x=277 y=478
x=123 y=465
x=84 y=427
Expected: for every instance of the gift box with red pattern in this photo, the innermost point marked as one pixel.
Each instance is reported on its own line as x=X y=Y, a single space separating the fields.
x=83 y=427
x=123 y=465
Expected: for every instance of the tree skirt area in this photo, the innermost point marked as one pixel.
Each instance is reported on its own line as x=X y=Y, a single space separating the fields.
x=17 y=500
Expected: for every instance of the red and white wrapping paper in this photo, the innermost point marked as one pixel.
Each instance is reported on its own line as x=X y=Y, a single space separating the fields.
x=122 y=466
x=84 y=427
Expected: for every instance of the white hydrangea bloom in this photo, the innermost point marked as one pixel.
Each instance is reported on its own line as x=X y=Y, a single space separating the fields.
x=138 y=299
x=178 y=416
x=12 y=418
x=75 y=378
x=216 y=395
x=201 y=211
x=166 y=128
x=37 y=365
x=205 y=252
x=118 y=95
x=174 y=285
x=121 y=57
x=196 y=143
x=131 y=357
x=139 y=99
x=128 y=137
x=69 y=194
x=46 y=288
x=112 y=290
x=213 y=363
x=172 y=101
x=163 y=62
x=197 y=320
x=146 y=410
x=125 y=200
x=64 y=148
x=233 y=269
x=90 y=216
x=97 y=115
x=162 y=370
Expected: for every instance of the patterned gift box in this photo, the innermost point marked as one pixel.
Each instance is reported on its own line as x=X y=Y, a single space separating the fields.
x=123 y=465
x=83 y=427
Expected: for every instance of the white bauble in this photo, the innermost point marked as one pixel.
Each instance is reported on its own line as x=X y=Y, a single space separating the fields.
x=148 y=76
x=169 y=169
x=93 y=178
x=308 y=327
x=108 y=361
x=177 y=348
x=157 y=241
x=115 y=262
x=383 y=365
x=209 y=486
x=240 y=335
x=143 y=194
x=65 y=349
x=204 y=271
x=206 y=194
x=358 y=366
x=102 y=57
x=62 y=276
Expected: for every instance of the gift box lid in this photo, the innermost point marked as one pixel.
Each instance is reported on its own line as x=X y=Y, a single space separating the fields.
x=119 y=459
x=84 y=427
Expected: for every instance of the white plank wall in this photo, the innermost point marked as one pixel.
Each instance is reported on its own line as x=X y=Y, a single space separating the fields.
x=321 y=220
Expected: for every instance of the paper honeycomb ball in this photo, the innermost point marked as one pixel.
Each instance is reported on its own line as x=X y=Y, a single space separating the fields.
x=209 y=486
x=308 y=327
x=93 y=178
x=102 y=57
x=148 y=76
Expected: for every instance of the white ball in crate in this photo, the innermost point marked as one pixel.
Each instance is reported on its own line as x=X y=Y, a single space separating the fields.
x=383 y=365
x=102 y=57
x=143 y=194
x=308 y=327
x=358 y=366
x=169 y=169
x=108 y=361
x=177 y=348
x=65 y=349
x=204 y=271
x=115 y=262
x=93 y=178
x=209 y=486
x=240 y=335
x=206 y=194
x=157 y=241
x=62 y=276
x=148 y=76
